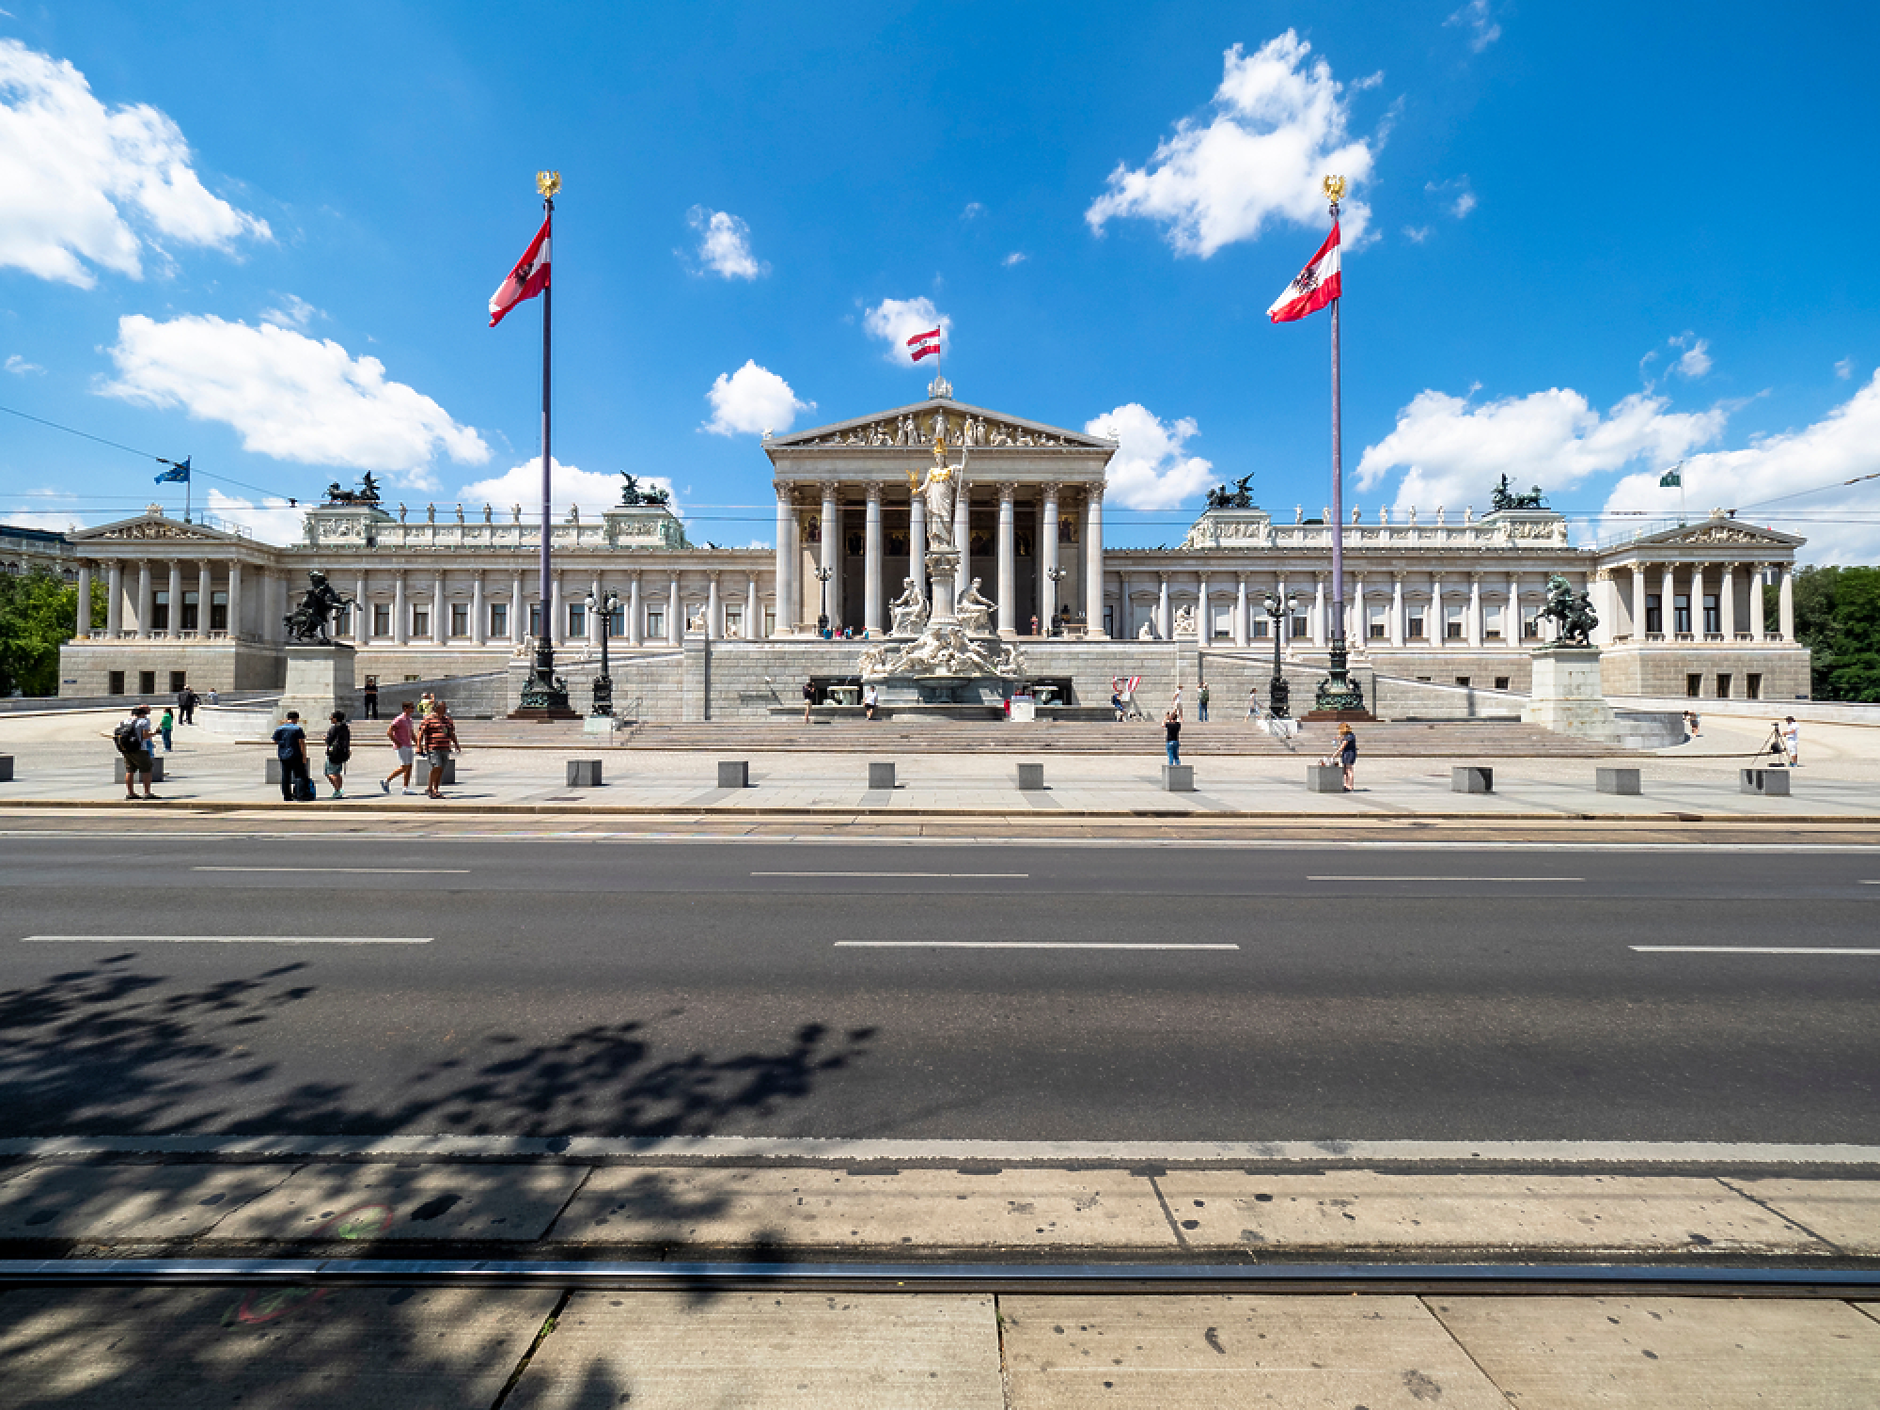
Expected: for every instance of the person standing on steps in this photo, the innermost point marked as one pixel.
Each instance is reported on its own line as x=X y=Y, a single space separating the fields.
x=1201 y=704
x=1172 y=727
x=403 y=732
x=290 y=747
x=809 y=698
x=1348 y=756
x=371 y=698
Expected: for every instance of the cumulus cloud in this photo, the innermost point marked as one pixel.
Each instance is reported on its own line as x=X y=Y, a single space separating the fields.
x=79 y=175
x=750 y=401
x=273 y=520
x=1017 y=257
x=724 y=245
x=289 y=396
x=1844 y=445
x=894 y=321
x=1452 y=452
x=1694 y=361
x=1479 y=20
x=293 y=312
x=1280 y=125
x=1151 y=468
x=568 y=487
x=20 y=367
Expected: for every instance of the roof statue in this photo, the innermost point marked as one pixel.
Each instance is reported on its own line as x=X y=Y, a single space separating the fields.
x=632 y=494
x=1221 y=497
x=1501 y=497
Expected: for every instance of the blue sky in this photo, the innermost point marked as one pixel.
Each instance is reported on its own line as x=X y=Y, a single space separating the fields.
x=1583 y=243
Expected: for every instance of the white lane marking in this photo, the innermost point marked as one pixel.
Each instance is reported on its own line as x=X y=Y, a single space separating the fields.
x=1749 y=950
x=920 y=875
x=354 y=871
x=225 y=940
x=1446 y=878
x=1017 y=945
x=1105 y=1153
x=1868 y=883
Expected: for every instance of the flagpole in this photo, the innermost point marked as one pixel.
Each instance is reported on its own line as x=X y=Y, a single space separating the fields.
x=544 y=697
x=1338 y=696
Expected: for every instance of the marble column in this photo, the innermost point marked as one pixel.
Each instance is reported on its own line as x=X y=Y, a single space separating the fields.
x=1285 y=613
x=1435 y=623
x=479 y=633
x=1093 y=560
x=145 y=598
x=518 y=610
x=871 y=560
x=361 y=612
x=596 y=614
x=1758 y=608
x=114 y=600
x=1204 y=625
x=1667 y=601
x=1726 y=603
x=173 y=619
x=675 y=621
x=1511 y=614
x=829 y=597
x=1638 y=602
x=1008 y=577
x=1396 y=610
x=204 y=577
x=1357 y=624
x=917 y=544
x=636 y=626
x=1698 y=623
x=401 y=622
x=714 y=625
x=1047 y=558
x=1164 y=616
x=82 y=622
x=962 y=539
x=790 y=607
x=753 y=617
x=1785 y=603
x=1240 y=609
x=557 y=629
x=1318 y=611
x=440 y=625
x=234 y=600
x=1475 y=611
x=786 y=523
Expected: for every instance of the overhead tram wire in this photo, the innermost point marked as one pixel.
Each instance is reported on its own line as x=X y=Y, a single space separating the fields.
x=293 y=501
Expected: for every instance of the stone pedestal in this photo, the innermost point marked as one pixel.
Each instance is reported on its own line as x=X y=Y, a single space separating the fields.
x=6 y=768
x=156 y=770
x=1567 y=696
x=880 y=776
x=1471 y=778
x=1178 y=778
x=1325 y=778
x=318 y=678
x=734 y=773
x=1624 y=782
x=1030 y=777
x=1767 y=783
x=584 y=773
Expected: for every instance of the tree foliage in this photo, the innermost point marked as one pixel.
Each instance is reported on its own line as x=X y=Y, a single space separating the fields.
x=1837 y=617
x=38 y=611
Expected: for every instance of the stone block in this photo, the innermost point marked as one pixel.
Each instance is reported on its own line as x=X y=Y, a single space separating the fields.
x=584 y=773
x=1325 y=778
x=1471 y=778
x=1178 y=778
x=880 y=776
x=6 y=768
x=1030 y=777
x=156 y=772
x=736 y=773
x=1770 y=783
x=1625 y=781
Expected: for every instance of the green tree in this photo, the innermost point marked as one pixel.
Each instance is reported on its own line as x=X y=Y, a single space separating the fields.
x=1837 y=617
x=38 y=612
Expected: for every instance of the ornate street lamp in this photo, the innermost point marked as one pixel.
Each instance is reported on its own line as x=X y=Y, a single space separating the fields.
x=1279 y=698
x=604 y=682
x=1057 y=577
x=823 y=575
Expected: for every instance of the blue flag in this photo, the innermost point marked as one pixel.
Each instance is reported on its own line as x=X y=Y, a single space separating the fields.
x=176 y=474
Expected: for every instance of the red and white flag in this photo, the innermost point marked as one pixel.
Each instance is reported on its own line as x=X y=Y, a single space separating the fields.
x=1316 y=286
x=526 y=280
x=924 y=344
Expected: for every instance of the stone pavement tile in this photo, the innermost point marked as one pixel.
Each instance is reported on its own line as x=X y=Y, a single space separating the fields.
x=1381 y=1352
x=1844 y=1212
x=204 y=1348
x=806 y=1351
x=1696 y=1353
x=127 y=1203
x=722 y=1207
x=1371 y=1209
x=513 y=1203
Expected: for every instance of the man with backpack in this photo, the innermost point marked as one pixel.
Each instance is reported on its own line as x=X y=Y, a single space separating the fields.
x=132 y=738
x=338 y=751
x=290 y=747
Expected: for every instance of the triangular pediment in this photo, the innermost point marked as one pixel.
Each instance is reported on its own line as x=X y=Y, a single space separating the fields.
x=148 y=527
x=912 y=427
x=1719 y=531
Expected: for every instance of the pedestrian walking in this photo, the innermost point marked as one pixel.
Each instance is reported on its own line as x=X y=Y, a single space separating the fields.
x=338 y=751
x=426 y=703
x=1792 y=742
x=1175 y=705
x=437 y=740
x=809 y=698
x=1201 y=704
x=1253 y=703
x=132 y=738
x=290 y=747
x=403 y=732
x=1691 y=723
x=165 y=725
x=871 y=700
x=1172 y=727
x=1347 y=754
x=372 y=697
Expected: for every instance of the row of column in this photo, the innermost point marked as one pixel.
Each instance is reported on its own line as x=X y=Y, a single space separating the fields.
x=1698 y=575
x=144 y=605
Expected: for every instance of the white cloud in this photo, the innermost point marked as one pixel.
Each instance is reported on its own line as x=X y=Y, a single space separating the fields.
x=273 y=520
x=973 y=209
x=20 y=367
x=1463 y=205
x=1279 y=127
x=76 y=174
x=894 y=321
x=294 y=312
x=568 y=487
x=1453 y=452
x=724 y=244
x=57 y=519
x=1017 y=257
x=1838 y=522
x=750 y=401
x=1844 y=369
x=1479 y=21
x=1151 y=469
x=290 y=396
x=1464 y=199
x=1416 y=234
x=1695 y=361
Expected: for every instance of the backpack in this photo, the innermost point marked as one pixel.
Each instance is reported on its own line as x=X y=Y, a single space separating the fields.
x=126 y=737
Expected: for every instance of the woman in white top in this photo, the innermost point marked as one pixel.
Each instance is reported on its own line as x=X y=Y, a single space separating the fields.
x=1792 y=741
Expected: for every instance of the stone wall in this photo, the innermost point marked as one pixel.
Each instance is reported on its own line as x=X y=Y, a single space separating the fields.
x=1783 y=669
x=85 y=667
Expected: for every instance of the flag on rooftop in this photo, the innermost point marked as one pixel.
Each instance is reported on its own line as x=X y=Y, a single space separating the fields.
x=1671 y=479
x=925 y=344
x=178 y=473
x=526 y=280
x=1315 y=286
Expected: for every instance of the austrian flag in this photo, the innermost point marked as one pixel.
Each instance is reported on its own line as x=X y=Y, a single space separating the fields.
x=924 y=344
x=1317 y=285
x=526 y=280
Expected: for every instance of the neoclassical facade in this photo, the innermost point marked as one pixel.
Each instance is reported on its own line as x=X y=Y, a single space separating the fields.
x=1446 y=598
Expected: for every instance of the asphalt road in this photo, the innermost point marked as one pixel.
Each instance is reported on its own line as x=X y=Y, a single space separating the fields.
x=611 y=988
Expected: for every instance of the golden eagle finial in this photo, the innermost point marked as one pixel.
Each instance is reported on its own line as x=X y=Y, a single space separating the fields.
x=548 y=183
x=1334 y=187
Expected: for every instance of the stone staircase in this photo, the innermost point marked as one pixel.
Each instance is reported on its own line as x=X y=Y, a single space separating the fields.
x=1454 y=739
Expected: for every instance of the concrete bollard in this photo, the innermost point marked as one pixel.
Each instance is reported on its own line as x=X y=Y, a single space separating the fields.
x=1030 y=777
x=880 y=776
x=735 y=773
x=1616 y=781
x=6 y=768
x=584 y=773
x=1770 y=783
x=1471 y=778
x=118 y=766
x=1325 y=778
x=1178 y=778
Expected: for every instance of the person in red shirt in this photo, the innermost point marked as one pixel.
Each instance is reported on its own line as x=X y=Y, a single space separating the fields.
x=437 y=740
x=403 y=734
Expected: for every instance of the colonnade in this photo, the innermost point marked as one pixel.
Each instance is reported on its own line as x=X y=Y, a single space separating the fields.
x=132 y=584
x=1661 y=580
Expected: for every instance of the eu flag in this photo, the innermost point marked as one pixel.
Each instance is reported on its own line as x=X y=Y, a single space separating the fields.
x=176 y=474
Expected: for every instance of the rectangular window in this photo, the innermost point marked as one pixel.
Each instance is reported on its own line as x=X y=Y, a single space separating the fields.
x=535 y=619
x=577 y=618
x=1260 y=625
x=146 y=682
x=499 y=619
x=734 y=623
x=178 y=679
x=1462 y=680
x=1109 y=621
x=1452 y=629
x=1654 y=613
x=1531 y=629
x=218 y=611
x=1416 y=629
x=770 y=622
x=1752 y=686
x=1300 y=628
x=1693 y=685
x=1376 y=630
x=1681 y=613
x=617 y=622
x=381 y=619
x=421 y=621
x=1723 y=686
x=342 y=621
x=114 y=683
x=192 y=611
x=1501 y=682
x=656 y=623
x=1491 y=629
x=460 y=619
x=159 y=611
x=1713 y=617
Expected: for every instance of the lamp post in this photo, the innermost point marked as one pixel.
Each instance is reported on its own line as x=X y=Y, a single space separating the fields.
x=604 y=682
x=1057 y=577
x=823 y=575
x=1279 y=699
